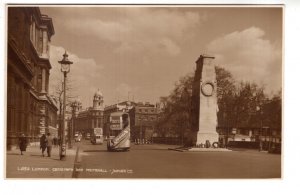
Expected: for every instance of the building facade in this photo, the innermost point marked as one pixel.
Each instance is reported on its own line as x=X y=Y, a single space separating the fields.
x=84 y=121
x=143 y=118
x=30 y=109
x=125 y=106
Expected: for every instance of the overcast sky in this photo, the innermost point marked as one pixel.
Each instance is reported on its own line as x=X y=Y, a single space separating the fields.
x=143 y=51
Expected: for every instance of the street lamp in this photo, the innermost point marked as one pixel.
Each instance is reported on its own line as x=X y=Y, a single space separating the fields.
x=65 y=69
x=226 y=133
x=259 y=109
x=141 y=130
x=75 y=106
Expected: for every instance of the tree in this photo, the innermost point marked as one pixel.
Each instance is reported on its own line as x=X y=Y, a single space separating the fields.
x=59 y=97
x=177 y=111
x=241 y=105
x=249 y=98
x=175 y=118
x=272 y=111
x=226 y=91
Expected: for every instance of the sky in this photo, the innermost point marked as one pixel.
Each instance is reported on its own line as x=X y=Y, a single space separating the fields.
x=139 y=52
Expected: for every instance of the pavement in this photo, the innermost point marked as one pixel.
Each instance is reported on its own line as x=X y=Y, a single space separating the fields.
x=86 y=160
x=33 y=165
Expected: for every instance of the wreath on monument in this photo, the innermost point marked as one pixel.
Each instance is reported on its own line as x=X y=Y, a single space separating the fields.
x=207 y=88
x=215 y=145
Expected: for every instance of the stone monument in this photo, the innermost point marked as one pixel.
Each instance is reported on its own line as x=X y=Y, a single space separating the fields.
x=204 y=103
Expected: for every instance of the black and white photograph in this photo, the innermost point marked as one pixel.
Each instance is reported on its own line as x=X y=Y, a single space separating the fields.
x=144 y=91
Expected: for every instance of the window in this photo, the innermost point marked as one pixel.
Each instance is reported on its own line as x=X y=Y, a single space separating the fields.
x=40 y=42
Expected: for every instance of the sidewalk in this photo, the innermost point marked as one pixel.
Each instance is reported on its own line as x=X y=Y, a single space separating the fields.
x=33 y=165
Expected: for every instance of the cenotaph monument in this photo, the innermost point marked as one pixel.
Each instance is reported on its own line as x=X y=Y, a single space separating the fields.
x=204 y=103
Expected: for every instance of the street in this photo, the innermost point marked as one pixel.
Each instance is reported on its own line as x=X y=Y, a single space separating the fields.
x=156 y=161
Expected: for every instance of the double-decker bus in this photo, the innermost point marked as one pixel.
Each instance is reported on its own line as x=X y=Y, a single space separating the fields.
x=97 y=136
x=119 y=132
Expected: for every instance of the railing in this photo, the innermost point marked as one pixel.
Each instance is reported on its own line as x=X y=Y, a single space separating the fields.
x=168 y=140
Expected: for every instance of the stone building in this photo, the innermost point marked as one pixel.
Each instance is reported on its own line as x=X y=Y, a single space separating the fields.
x=85 y=121
x=30 y=109
x=121 y=106
x=143 y=118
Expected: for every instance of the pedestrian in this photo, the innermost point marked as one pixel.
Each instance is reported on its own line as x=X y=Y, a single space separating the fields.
x=260 y=145
x=43 y=144
x=22 y=143
x=55 y=141
x=49 y=140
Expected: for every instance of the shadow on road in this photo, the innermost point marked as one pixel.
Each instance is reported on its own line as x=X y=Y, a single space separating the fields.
x=154 y=149
x=36 y=155
x=13 y=154
x=56 y=159
x=95 y=151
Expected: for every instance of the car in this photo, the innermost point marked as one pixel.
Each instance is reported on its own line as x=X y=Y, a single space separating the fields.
x=88 y=136
x=77 y=138
x=97 y=139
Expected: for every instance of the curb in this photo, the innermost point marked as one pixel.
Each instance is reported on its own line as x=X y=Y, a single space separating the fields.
x=77 y=164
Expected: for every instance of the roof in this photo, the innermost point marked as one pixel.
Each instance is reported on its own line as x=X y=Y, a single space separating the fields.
x=118 y=113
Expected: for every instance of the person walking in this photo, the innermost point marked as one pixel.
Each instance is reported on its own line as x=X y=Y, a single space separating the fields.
x=49 y=141
x=22 y=143
x=55 y=140
x=43 y=144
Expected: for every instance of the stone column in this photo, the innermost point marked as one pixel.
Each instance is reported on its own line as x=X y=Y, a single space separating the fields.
x=45 y=44
x=34 y=34
x=205 y=109
x=43 y=80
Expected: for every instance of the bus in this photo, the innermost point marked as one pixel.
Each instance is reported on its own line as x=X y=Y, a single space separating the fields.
x=119 y=132
x=97 y=136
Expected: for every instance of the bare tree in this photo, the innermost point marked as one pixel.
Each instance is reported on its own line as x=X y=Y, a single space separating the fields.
x=59 y=97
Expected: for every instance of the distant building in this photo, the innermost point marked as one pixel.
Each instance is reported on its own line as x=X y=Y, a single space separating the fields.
x=85 y=121
x=122 y=106
x=30 y=109
x=143 y=118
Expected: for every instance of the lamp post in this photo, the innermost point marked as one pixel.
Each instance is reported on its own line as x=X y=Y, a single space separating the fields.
x=75 y=105
x=65 y=69
x=141 y=129
x=226 y=133
x=259 y=109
